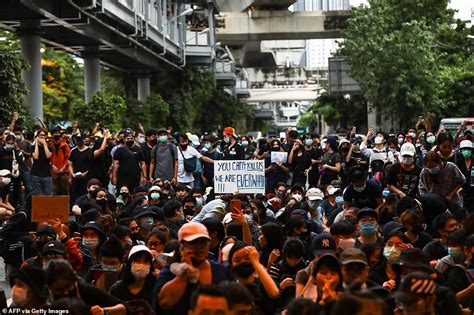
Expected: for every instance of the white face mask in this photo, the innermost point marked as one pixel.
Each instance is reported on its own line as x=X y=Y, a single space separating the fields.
x=378 y=140
x=408 y=160
x=19 y=295
x=298 y=197
x=360 y=188
x=140 y=271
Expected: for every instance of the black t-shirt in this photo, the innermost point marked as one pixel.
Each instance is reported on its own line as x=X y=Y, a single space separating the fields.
x=121 y=291
x=457 y=280
x=406 y=181
x=366 y=198
x=41 y=166
x=146 y=153
x=330 y=159
x=129 y=162
x=234 y=152
x=81 y=160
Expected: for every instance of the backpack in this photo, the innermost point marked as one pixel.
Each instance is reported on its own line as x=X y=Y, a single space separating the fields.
x=189 y=164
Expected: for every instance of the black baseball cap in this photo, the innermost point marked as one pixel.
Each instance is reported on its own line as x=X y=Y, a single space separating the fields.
x=54 y=247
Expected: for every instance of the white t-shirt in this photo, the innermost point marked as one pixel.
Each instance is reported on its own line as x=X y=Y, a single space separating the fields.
x=183 y=176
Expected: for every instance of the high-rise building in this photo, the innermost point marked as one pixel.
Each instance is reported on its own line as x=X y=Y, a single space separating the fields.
x=319 y=50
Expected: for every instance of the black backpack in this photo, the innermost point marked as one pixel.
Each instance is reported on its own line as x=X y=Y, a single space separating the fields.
x=189 y=164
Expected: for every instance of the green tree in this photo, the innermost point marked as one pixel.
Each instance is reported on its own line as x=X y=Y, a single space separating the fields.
x=103 y=108
x=12 y=87
x=336 y=110
x=151 y=113
x=63 y=85
x=392 y=47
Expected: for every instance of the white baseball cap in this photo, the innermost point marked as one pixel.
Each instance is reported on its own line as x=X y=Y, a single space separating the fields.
x=314 y=194
x=407 y=149
x=465 y=144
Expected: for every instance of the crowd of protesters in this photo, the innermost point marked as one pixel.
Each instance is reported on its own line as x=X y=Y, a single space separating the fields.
x=348 y=224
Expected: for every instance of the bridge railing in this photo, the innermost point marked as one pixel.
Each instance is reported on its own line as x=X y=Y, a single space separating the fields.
x=197 y=38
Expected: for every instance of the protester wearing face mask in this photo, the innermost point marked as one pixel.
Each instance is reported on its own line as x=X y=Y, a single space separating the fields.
x=137 y=279
x=232 y=149
x=92 y=185
x=111 y=261
x=362 y=192
x=249 y=149
x=147 y=141
x=174 y=216
x=63 y=283
x=40 y=171
x=80 y=163
x=247 y=270
x=382 y=272
x=330 y=204
x=276 y=171
x=314 y=197
x=466 y=147
x=59 y=163
x=28 y=288
x=11 y=159
x=154 y=196
x=445 y=149
x=412 y=221
x=190 y=154
x=455 y=255
x=164 y=159
x=129 y=165
x=441 y=177
x=343 y=234
x=378 y=155
x=145 y=217
x=367 y=227
x=403 y=177
x=92 y=236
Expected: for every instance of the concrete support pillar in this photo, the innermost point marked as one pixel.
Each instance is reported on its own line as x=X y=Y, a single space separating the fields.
x=371 y=117
x=91 y=72
x=31 y=50
x=143 y=87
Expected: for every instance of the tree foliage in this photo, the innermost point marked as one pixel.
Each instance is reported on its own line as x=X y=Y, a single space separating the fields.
x=336 y=111
x=151 y=113
x=12 y=88
x=63 y=85
x=401 y=55
x=103 y=108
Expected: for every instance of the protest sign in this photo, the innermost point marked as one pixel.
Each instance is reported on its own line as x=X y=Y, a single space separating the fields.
x=279 y=157
x=46 y=208
x=246 y=177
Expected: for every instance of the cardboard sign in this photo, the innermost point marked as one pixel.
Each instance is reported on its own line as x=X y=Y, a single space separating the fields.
x=46 y=208
x=279 y=157
x=246 y=177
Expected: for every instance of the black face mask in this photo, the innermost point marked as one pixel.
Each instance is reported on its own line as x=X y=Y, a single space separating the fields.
x=129 y=143
x=183 y=146
x=57 y=137
x=124 y=195
x=303 y=235
x=153 y=142
x=79 y=142
x=243 y=270
x=102 y=203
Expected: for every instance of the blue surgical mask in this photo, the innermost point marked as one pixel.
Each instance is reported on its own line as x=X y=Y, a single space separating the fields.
x=456 y=253
x=90 y=243
x=146 y=222
x=308 y=142
x=155 y=196
x=141 y=140
x=339 y=199
x=392 y=254
x=245 y=143
x=9 y=147
x=163 y=139
x=17 y=138
x=207 y=146
x=227 y=140
x=198 y=202
x=431 y=139
x=368 y=228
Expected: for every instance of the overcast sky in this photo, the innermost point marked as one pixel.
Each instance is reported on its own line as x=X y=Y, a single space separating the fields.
x=463 y=6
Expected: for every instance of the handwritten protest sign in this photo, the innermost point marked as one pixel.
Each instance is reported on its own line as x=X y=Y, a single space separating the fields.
x=247 y=177
x=279 y=157
x=45 y=208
